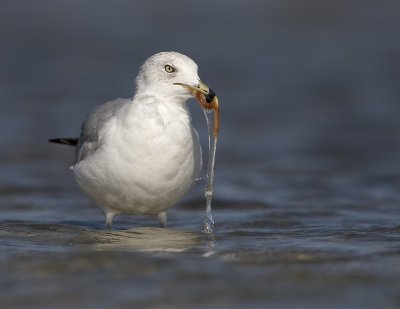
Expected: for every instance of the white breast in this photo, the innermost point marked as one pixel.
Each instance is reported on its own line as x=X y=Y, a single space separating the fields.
x=148 y=159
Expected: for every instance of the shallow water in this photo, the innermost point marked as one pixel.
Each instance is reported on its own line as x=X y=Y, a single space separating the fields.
x=307 y=188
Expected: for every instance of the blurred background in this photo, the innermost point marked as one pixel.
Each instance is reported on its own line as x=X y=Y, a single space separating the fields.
x=309 y=151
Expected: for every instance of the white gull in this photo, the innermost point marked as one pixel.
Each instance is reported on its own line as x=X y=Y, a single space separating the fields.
x=142 y=155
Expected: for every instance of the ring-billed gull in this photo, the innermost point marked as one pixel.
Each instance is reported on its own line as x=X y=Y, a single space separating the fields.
x=142 y=155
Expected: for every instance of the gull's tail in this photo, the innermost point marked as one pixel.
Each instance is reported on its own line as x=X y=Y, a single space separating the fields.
x=72 y=141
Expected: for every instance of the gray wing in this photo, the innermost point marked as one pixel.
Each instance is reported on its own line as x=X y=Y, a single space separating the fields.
x=89 y=139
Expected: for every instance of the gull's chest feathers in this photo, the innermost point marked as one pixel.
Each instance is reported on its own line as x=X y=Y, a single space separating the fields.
x=154 y=131
x=155 y=157
x=153 y=142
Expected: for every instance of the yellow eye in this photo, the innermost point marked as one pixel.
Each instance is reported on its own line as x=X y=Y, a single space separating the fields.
x=169 y=69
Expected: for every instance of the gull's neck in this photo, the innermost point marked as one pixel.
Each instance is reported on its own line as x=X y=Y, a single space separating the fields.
x=164 y=110
x=160 y=96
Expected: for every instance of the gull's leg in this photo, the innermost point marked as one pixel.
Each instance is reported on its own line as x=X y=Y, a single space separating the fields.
x=109 y=218
x=162 y=218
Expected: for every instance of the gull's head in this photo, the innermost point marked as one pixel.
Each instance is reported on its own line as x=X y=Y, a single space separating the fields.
x=170 y=74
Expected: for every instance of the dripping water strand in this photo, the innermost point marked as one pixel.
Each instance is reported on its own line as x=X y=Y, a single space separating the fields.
x=208 y=223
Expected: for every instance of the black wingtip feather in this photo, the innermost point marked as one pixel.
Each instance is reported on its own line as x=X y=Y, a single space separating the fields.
x=66 y=141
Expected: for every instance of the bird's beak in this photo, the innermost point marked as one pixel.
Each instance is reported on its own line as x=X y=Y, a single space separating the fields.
x=206 y=98
x=200 y=88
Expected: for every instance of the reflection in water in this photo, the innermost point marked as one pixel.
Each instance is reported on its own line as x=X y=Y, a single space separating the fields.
x=148 y=239
x=140 y=239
